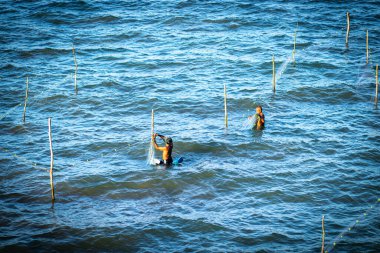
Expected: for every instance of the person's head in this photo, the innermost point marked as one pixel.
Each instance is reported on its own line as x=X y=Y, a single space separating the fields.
x=168 y=141
x=259 y=109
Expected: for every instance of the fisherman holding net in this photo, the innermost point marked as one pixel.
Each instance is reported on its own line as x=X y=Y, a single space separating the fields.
x=166 y=150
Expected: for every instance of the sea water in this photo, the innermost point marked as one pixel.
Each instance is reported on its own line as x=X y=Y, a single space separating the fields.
x=238 y=190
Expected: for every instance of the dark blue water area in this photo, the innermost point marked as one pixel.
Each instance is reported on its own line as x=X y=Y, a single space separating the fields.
x=238 y=190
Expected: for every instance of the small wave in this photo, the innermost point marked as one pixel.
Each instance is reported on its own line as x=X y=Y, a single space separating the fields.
x=141 y=64
x=11 y=69
x=175 y=21
x=57 y=98
x=277 y=237
x=20 y=129
x=220 y=21
x=325 y=94
x=108 y=58
x=69 y=5
x=245 y=5
x=102 y=19
x=319 y=65
x=211 y=147
x=199 y=175
x=304 y=45
x=44 y=51
x=8 y=67
x=343 y=198
x=184 y=4
x=126 y=36
x=59 y=21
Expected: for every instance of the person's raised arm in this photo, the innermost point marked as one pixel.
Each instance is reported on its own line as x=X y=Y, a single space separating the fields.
x=155 y=143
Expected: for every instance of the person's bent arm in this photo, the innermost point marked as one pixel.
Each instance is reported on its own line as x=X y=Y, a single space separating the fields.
x=262 y=118
x=155 y=144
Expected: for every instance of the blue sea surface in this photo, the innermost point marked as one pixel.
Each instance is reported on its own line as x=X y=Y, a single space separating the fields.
x=237 y=190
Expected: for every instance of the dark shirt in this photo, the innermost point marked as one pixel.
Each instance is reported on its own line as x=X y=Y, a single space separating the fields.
x=256 y=118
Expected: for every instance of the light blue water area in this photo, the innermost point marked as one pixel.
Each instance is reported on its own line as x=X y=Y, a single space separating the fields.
x=237 y=190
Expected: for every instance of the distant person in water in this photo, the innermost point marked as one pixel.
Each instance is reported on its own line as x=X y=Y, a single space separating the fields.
x=166 y=151
x=259 y=118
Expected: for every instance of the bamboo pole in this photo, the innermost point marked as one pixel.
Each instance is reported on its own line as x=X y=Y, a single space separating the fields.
x=225 y=107
x=367 y=46
x=377 y=84
x=348 y=28
x=274 y=74
x=75 y=70
x=51 y=162
x=26 y=99
x=152 y=127
x=323 y=234
x=151 y=148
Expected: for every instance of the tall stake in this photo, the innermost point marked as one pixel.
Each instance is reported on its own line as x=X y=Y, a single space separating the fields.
x=377 y=84
x=26 y=99
x=225 y=107
x=75 y=71
x=150 y=159
x=367 y=46
x=51 y=162
x=274 y=74
x=323 y=234
x=348 y=28
x=152 y=128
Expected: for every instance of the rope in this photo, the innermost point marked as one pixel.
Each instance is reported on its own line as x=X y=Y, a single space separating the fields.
x=350 y=227
x=27 y=161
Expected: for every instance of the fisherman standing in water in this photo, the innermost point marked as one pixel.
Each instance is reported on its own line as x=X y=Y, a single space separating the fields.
x=166 y=151
x=259 y=118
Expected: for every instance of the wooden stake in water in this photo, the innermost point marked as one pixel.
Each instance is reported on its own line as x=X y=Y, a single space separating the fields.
x=26 y=99
x=152 y=127
x=51 y=162
x=150 y=159
x=377 y=84
x=367 y=46
x=75 y=71
x=348 y=28
x=274 y=74
x=323 y=234
x=225 y=107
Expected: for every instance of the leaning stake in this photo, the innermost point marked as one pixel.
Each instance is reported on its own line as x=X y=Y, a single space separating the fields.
x=274 y=74
x=377 y=84
x=26 y=99
x=225 y=107
x=323 y=234
x=51 y=162
x=75 y=71
x=367 y=46
x=348 y=28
